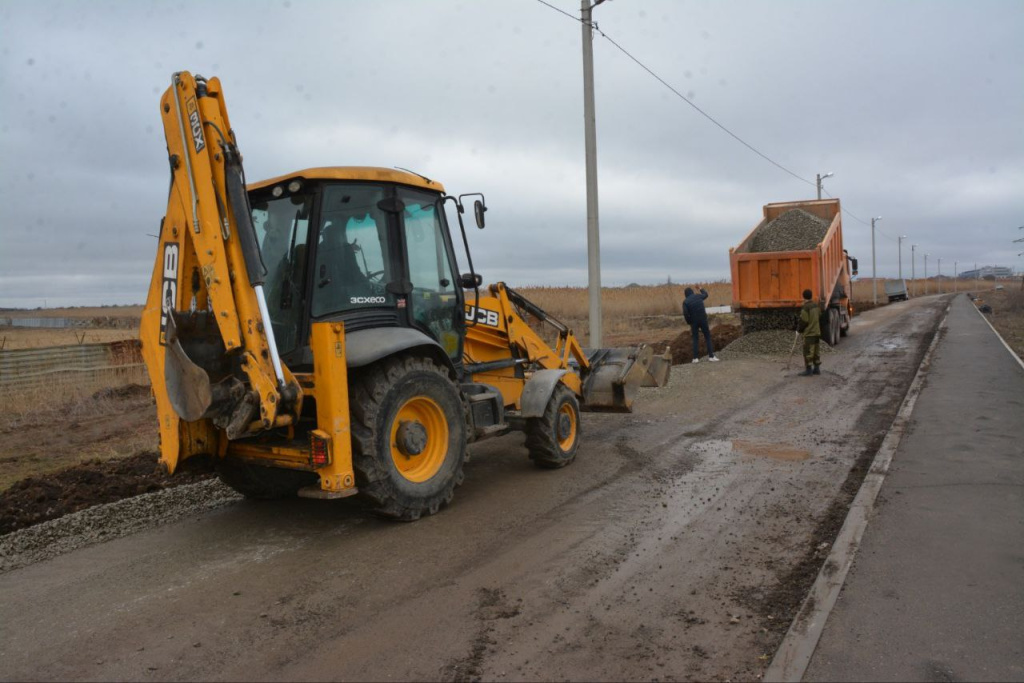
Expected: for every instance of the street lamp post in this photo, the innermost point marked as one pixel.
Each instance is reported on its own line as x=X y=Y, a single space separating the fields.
x=938 y=277
x=926 y=274
x=913 y=275
x=956 y=283
x=822 y=177
x=874 y=272
x=590 y=133
x=900 y=248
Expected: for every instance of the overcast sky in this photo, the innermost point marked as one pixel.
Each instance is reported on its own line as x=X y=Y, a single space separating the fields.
x=918 y=108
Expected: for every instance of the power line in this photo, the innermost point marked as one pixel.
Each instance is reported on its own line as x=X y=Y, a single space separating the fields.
x=681 y=96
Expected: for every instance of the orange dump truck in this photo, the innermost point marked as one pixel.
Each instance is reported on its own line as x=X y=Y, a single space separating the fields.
x=796 y=246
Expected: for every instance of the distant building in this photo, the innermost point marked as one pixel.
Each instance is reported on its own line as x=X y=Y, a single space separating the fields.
x=987 y=272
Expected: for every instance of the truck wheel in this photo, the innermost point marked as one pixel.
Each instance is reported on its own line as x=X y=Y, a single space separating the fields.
x=554 y=437
x=408 y=436
x=262 y=483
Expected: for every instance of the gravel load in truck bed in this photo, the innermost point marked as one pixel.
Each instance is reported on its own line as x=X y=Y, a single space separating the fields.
x=795 y=230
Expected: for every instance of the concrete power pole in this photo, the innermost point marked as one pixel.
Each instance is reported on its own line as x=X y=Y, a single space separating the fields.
x=820 y=178
x=874 y=273
x=926 y=274
x=913 y=275
x=590 y=133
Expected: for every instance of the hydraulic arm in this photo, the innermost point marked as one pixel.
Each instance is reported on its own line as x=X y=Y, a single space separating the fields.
x=207 y=336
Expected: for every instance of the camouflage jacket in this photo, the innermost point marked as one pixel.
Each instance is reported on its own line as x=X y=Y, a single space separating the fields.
x=810 y=319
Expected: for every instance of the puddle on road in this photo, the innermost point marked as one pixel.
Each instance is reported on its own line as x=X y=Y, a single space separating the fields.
x=770 y=450
x=717 y=448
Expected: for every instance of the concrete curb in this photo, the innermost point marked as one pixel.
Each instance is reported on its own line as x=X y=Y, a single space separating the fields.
x=794 y=654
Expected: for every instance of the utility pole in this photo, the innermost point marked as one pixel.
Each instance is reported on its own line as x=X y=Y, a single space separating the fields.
x=956 y=282
x=874 y=273
x=938 y=277
x=822 y=177
x=590 y=133
x=926 y=274
x=900 y=248
x=913 y=275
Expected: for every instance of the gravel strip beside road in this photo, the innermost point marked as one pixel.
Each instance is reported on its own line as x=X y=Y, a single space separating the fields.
x=107 y=522
x=767 y=343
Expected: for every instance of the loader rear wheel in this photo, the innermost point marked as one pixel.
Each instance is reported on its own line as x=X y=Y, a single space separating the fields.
x=262 y=483
x=408 y=436
x=554 y=437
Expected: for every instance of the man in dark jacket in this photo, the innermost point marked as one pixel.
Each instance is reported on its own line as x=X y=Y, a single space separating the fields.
x=810 y=325
x=697 y=318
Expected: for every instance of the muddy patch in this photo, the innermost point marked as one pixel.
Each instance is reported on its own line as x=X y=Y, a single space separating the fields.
x=770 y=450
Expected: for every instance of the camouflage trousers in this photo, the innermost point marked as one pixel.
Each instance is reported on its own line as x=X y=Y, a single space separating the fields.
x=812 y=351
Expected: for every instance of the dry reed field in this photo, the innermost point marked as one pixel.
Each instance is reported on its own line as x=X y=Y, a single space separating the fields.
x=73 y=312
x=617 y=303
x=13 y=338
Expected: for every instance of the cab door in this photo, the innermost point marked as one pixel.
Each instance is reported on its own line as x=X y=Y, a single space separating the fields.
x=435 y=301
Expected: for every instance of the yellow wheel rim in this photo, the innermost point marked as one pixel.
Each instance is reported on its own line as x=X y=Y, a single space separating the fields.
x=566 y=426
x=419 y=439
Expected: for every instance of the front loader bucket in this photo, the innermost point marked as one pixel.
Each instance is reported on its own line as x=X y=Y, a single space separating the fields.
x=615 y=376
x=659 y=369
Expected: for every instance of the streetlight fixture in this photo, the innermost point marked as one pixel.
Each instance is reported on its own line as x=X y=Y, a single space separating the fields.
x=590 y=133
x=822 y=177
x=900 y=247
x=874 y=273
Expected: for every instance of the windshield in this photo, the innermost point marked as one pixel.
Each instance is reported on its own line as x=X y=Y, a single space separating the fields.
x=352 y=256
x=282 y=227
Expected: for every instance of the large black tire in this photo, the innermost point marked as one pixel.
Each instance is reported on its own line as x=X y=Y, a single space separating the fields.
x=554 y=437
x=262 y=483
x=390 y=396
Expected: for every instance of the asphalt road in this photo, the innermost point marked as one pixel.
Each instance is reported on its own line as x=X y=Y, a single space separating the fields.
x=677 y=545
x=936 y=592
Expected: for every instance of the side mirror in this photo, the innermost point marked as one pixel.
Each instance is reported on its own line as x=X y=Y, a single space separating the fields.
x=853 y=261
x=470 y=280
x=478 y=212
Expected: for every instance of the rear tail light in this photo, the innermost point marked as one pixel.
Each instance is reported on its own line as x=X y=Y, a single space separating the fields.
x=319 y=449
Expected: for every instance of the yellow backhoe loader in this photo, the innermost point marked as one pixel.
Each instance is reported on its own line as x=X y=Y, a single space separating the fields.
x=312 y=332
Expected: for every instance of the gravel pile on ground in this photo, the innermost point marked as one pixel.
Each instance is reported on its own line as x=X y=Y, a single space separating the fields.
x=41 y=498
x=794 y=230
x=107 y=522
x=767 y=343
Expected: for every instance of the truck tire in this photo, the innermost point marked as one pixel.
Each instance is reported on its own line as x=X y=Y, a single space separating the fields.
x=262 y=483
x=408 y=436
x=554 y=437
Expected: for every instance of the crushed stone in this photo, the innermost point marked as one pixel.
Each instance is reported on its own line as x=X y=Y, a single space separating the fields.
x=112 y=520
x=795 y=230
x=767 y=343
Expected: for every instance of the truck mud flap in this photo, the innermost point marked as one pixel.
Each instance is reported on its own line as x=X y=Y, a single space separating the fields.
x=615 y=376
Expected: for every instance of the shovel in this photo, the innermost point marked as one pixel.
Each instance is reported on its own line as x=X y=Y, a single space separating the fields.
x=789 y=361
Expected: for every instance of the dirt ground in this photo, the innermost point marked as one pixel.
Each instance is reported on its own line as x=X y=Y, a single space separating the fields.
x=1007 y=315
x=677 y=546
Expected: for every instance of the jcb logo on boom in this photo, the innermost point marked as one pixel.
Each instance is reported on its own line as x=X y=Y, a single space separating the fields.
x=169 y=290
x=197 y=125
x=482 y=315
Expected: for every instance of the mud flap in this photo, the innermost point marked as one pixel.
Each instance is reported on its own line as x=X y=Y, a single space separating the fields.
x=615 y=376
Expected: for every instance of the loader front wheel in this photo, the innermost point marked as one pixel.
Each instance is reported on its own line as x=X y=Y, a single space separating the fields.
x=262 y=483
x=408 y=436
x=553 y=438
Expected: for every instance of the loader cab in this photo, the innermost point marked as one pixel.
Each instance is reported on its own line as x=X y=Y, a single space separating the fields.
x=370 y=247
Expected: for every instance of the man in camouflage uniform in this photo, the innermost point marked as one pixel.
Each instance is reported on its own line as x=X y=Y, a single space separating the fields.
x=810 y=325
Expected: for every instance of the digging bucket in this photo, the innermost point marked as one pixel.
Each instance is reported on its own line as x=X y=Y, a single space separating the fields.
x=615 y=376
